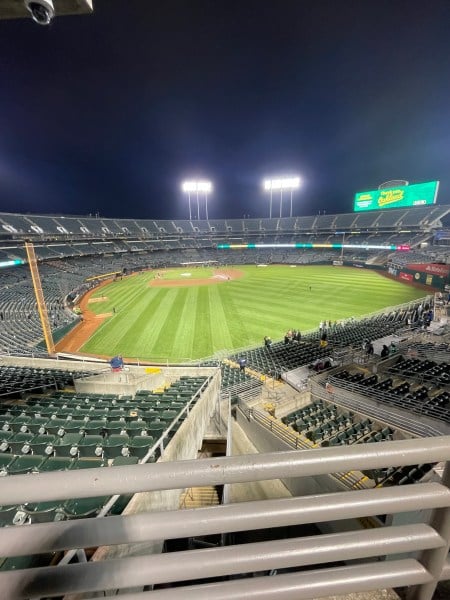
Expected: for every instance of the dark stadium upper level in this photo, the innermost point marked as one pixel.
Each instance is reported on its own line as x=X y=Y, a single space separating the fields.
x=17 y=226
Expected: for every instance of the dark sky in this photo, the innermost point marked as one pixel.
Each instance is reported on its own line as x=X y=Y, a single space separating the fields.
x=110 y=112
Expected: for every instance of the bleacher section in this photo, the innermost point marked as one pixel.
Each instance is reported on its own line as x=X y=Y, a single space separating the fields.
x=327 y=424
x=421 y=387
x=69 y=431
x=284 y=356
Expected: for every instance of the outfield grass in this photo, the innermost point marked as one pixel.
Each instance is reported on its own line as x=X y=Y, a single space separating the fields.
x=181 y=323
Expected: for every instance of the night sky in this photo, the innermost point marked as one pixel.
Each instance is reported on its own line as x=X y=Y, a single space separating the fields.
x=108 y=113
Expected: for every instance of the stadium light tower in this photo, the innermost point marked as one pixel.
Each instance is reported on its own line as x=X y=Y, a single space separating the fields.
x=198 y=187
x=279 y=184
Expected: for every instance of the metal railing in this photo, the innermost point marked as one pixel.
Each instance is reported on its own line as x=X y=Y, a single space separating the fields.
x=352 y=399
x=383 y=397
x=425 y=544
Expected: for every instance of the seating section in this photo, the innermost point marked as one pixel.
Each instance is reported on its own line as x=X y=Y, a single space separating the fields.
x=327 y=424
x=15 y=380
x=415 y=385
x=284 y=356
x=68 y=431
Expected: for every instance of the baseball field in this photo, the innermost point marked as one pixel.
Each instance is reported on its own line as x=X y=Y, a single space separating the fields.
x=191 y=313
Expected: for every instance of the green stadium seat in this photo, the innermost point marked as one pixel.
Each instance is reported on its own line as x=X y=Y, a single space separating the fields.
x=116 y=445
x=95 y=427
x=57 y=426
x=56 y=463
x=156 y=429
x=87 y=463
x=20 y=443
x=19 y=423
x=140 y=445
x=168 y=415
x=124 y=461
x=67 y=445
x=42 y=512
x=99 y=413
x=43 y=444
x=25 y=464
x=38 y=425
x=91 y=445
x=82 y=508
x=5 y=461
x=136 y=427
x=74 y=426
x=5 y=436
x=150 y=414
x=117 y=413
x=46 y=411
x=8 y=515
x=115 y=427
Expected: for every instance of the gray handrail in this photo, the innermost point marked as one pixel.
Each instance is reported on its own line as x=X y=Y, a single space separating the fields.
x=428 y=540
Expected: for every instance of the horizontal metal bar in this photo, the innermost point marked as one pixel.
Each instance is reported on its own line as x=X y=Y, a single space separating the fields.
x=63 y=485
x=88 y=533
x=300 y=586
x=217 y=562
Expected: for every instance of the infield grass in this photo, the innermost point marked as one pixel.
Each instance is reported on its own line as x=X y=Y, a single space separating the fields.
x=181 y=323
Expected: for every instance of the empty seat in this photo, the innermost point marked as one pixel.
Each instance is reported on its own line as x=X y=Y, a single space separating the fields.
x=136 y=427
x=57 y=426
x=20 y=443
x=5 y=461
x=5 y=436
x=87 y=463
x=115 y=427
x=74 y=426
x=140 y=445
x=42 y=512
x=56 y=463
x=156 y=428
x=38 y=425
x=43 y=444
x=67 y=445
x=25 y=464
x=95 y=426
x=116 y=445
x=8 y=515
x=123 y=461
x=82 y=508
x=91 y=445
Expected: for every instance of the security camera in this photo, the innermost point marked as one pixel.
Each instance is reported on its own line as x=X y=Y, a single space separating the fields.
x=42 y=11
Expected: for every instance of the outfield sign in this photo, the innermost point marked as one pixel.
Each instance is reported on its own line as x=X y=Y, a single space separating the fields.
x=419 y=194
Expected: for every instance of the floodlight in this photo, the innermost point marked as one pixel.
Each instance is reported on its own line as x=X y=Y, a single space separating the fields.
x=197 y=186
x=278 y=185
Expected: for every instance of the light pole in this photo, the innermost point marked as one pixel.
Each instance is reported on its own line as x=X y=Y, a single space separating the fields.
x=187 y=190
x=197 y=186
x=280 y=184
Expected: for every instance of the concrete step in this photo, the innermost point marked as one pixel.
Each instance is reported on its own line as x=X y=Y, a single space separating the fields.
x=198 y=497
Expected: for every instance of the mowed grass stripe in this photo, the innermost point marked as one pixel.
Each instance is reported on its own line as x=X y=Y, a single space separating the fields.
x=202 y=328
x=221 y=336
x=183 y=336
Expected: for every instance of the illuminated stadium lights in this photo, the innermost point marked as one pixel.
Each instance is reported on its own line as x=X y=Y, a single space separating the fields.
x=278 y=185
x=197 y=187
